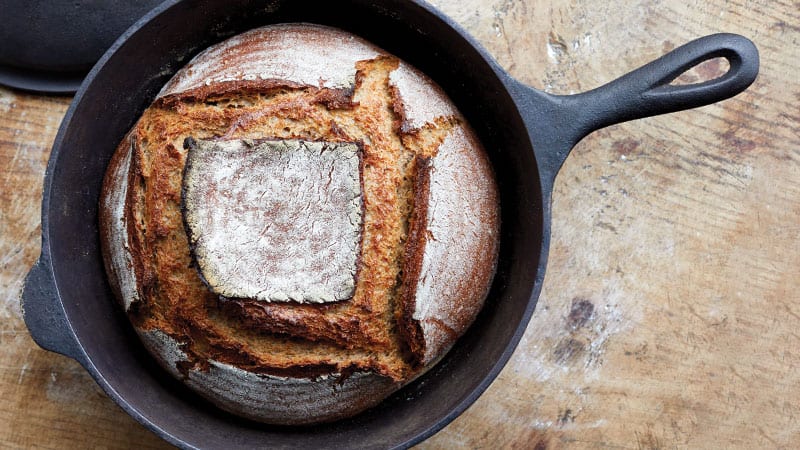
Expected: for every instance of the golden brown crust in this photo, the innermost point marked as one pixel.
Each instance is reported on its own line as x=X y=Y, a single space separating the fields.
x=385 y=329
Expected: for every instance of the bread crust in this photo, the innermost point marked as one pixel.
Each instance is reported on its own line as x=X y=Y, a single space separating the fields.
x=429 y=239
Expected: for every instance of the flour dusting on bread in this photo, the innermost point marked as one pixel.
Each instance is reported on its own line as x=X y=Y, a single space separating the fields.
x=311 y=56
x=274 y=220
x=421 y=101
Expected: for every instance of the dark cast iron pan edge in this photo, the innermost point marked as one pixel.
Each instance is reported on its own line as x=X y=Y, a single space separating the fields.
x=44 y=314
x=41 y=82
x=40 y=302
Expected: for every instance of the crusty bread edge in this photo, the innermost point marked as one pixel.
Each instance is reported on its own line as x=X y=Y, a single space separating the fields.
x=113 y=225
x=268 y=398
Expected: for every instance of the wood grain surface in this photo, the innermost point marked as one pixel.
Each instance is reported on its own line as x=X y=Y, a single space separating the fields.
x=670 y=314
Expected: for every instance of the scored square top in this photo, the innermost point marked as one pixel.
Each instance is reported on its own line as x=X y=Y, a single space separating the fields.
x=274 y=220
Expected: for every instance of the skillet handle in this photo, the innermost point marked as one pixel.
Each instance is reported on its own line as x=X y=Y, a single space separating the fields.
x=563 y=120
x=647 y=90
x=43 y=313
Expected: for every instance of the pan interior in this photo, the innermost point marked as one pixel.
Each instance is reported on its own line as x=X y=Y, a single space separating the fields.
x=126 y=81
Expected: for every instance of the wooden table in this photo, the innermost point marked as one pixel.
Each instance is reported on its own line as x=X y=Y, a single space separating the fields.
x=670 y=315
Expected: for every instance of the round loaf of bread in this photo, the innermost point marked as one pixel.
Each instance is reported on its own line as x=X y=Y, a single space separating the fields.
x=299 y=225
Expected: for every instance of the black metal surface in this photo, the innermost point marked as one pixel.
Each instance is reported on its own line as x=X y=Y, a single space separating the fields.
x=44 y=315
x=41 y=81
x=69 y=278
x=50 y=45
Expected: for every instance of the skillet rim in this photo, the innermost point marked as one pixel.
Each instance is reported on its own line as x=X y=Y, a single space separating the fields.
x=84 y=357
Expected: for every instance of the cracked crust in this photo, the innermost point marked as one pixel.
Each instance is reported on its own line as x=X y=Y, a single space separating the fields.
x=428 y=242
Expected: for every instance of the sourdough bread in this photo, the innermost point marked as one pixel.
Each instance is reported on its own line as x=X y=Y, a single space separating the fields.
x=299 y=224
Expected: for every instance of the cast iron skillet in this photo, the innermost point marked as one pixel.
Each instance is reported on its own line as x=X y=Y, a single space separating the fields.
x=68 y=305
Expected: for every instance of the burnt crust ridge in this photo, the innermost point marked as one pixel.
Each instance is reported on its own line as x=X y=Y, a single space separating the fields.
x=408 y=327
x=331 y=98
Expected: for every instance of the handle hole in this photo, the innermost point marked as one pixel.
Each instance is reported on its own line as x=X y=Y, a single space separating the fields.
x=705 y=71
